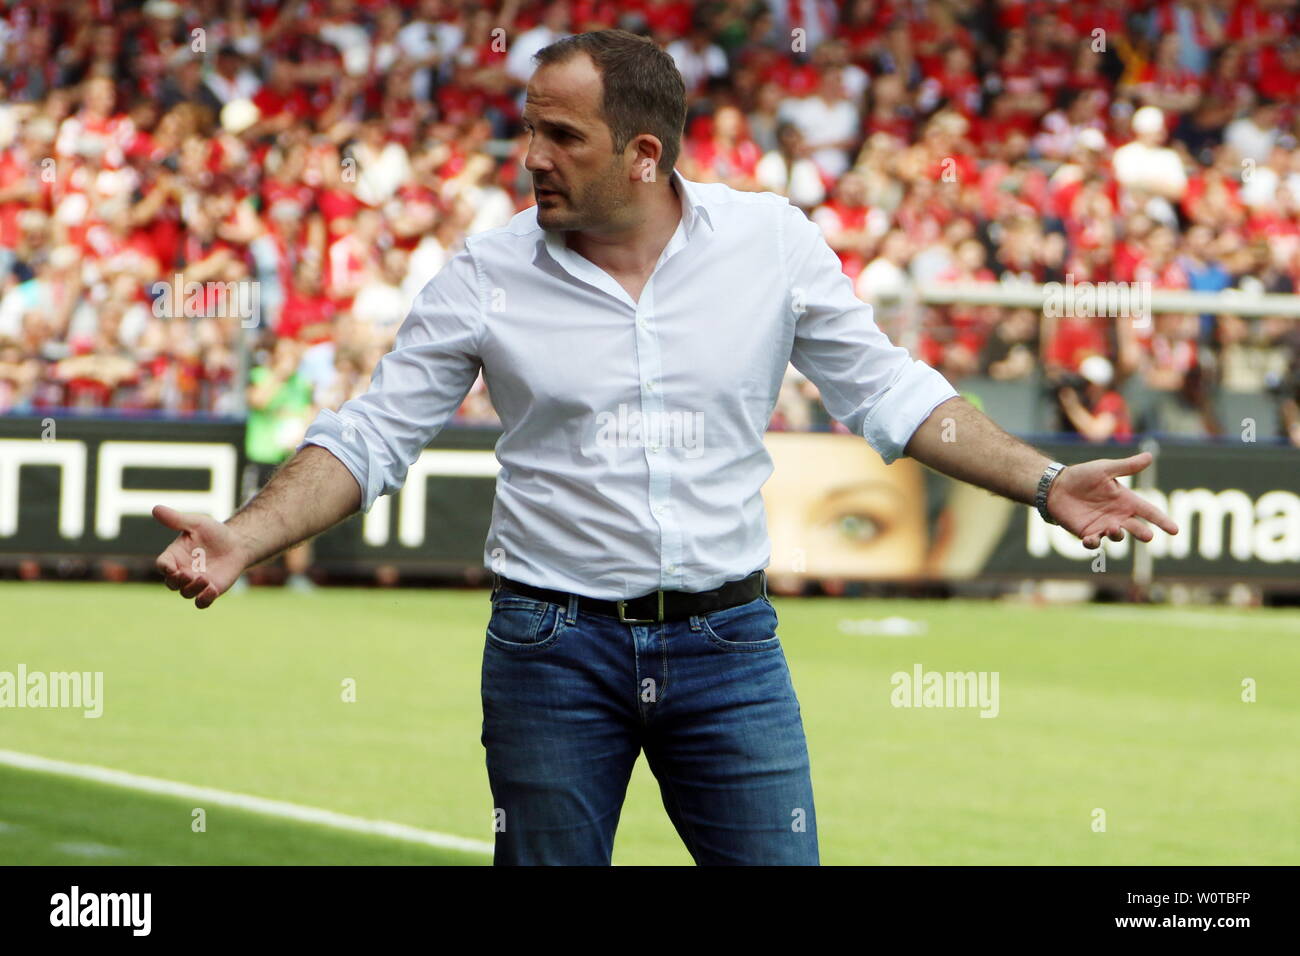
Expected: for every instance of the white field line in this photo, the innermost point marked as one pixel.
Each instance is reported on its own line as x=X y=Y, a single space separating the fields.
x=1212 y=620
x=241 y=801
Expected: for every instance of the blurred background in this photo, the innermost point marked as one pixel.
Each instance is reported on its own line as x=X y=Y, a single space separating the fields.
x=320 y=161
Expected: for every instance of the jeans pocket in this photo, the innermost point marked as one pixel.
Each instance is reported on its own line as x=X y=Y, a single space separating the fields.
x=524 y=624
x=746 y=627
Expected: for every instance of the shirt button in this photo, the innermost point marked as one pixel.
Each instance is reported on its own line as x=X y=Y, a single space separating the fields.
x=672 y=569
x=654 y=449
x=650 y=385
x=659 y=510
x=643 y=323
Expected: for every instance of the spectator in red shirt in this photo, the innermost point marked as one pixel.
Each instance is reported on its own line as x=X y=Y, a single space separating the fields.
x=281 y=102
x=95 y=372
x=954 y=83
x=307 y=312
x=1166 y=83
x=728 y=155
x=97 y=133
x=845 y=224
x=1068 y=340
x=1283 y=82
x=1086 y=73
x=890 y=109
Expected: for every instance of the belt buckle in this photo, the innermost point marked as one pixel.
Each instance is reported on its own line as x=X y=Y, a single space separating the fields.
x=641 y=620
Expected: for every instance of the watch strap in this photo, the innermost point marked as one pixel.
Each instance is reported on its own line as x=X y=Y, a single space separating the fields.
x=1045 y=484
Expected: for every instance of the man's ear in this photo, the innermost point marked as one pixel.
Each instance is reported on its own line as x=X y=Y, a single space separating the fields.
x=647 y=151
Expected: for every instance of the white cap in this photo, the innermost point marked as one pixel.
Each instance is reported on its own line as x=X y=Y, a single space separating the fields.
x=1092 y=139
x=63 y=256
x=239 y=115
x=162 y=9
x=1149 y=119
x=1096 y=369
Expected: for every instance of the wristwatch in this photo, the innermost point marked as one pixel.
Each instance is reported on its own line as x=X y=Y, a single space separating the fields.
x=1045 y=483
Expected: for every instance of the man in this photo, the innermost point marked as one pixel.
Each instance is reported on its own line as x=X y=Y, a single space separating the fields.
x=634 y=329
x=1151 y=174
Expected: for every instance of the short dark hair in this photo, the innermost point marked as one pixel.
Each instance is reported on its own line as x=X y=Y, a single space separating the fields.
x=642 y=90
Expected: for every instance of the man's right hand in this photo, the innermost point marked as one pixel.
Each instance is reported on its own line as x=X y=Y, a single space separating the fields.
x=206 y=558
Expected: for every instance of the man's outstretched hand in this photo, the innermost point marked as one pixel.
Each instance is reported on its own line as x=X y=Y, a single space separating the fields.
x=206 y=558
x=1088 y=502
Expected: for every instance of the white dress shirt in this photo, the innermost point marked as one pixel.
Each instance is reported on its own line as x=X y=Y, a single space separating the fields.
x=632 y=456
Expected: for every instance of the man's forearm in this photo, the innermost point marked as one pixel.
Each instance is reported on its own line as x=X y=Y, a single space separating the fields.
x=959 y=440
x=312 y=492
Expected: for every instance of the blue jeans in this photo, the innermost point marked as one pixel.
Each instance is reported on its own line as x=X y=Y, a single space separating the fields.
x=571 y=698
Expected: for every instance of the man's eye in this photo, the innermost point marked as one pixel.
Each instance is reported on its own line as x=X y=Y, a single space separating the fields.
x=858 y=527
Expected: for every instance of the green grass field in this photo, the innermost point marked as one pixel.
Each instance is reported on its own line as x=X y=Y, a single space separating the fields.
x=1135 y=711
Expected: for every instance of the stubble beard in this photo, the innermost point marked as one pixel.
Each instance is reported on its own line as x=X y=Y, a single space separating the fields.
x=595 y=205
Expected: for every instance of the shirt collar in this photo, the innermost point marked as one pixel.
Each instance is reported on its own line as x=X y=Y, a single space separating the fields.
x=694 y=209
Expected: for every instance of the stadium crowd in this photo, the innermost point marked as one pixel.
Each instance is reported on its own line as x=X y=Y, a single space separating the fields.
x=332 y=154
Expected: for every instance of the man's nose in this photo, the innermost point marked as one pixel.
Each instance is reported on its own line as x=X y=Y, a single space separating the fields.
x=535 y=160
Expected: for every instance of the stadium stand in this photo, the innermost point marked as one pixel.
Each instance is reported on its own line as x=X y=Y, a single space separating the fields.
x=332 y=154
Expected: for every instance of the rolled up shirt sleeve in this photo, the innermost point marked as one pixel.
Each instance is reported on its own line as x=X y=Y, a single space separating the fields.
x=874 y=387
x=415 y=389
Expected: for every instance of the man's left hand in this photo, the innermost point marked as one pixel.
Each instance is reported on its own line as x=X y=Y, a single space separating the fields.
x=1087 y=501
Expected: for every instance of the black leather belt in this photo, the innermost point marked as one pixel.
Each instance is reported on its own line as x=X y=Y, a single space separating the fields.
x=652 y=608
